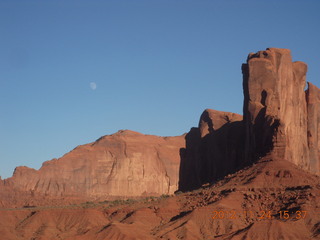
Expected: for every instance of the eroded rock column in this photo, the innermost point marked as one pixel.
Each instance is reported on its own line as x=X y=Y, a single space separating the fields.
x=275 y=109
x=313 y=104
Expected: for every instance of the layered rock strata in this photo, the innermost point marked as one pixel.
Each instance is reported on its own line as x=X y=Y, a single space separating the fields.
x=123 y=164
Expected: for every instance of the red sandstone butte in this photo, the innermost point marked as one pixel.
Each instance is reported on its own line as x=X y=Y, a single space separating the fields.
x=277 y=116
x=126 y=163
x=213 y=149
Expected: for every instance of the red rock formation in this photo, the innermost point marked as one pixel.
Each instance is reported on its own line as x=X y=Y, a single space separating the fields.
x=123 y=164
x=277 y=119
x=213 y=150
x=212 y=120
x=281 y=121
x=313 y=104
x=275 y=109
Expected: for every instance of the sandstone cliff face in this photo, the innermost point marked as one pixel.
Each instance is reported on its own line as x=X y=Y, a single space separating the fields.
x=213 y=150
x=280 y=116
x=313 y=104
x=275 y=109
x=123 y=164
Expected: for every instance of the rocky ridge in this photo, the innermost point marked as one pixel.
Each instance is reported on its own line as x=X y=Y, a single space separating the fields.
x=126 y=163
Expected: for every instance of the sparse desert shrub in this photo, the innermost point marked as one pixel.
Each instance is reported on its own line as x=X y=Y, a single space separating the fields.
x=164 y=196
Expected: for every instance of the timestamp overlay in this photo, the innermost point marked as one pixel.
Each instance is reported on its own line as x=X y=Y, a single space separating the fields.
x=260 y=215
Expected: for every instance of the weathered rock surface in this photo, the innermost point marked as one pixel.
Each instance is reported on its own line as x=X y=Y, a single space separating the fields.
x=213 y=150
x=280 y=117
x=313 y=104
x=126 y=163
x=276 y=114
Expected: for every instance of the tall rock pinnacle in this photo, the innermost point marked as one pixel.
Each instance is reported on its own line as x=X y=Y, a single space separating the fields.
x=280 y=117
x=313 y=105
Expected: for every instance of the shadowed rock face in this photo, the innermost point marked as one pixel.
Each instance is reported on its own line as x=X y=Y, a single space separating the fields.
x=213 y=150
x=280 y=118
x=123 y=164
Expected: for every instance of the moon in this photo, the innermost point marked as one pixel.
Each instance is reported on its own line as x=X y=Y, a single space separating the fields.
x=93 y=85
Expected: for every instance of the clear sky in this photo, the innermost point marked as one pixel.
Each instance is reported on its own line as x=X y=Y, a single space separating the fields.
x=72 y=71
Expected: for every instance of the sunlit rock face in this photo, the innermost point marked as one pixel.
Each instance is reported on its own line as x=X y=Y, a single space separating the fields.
x=123 y=164
x=313 y=105
x=279 y=115
x=280 y=119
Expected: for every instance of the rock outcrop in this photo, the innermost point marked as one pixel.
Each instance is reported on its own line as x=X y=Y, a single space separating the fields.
x=126 y=163
x=213 y=150
x=313 y=106
x=275 y=109
x=280 y=117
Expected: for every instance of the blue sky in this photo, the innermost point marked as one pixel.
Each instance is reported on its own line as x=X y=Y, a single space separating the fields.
x=156 y=65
